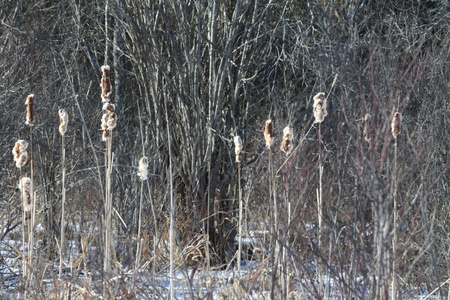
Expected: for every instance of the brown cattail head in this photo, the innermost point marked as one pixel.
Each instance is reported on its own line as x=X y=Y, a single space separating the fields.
x=288 y=135
x=268 y=133
x=30 y=109
x=366 y=128
x=143 y=168
x=106 y=84
x=395 y=124
x=20 y=153
x=63 y=121
x=27 y=195
x=320 y=107
x=238 y=148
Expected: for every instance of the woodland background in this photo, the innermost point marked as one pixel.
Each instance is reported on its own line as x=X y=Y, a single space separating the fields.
x=219 y=69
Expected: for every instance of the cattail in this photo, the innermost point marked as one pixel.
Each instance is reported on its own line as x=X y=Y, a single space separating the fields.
x=112 y=121
x=20 y=153
x=22 y=160
x=288 y=135
x=395 y=124
x=143 y=168
x=238 y=148
x=268 y=133
x=366 y=128
x=106 y=84
x=25 y=188
x=63 y=121
x=320 y=107
x=109 y=107
x=30 y=111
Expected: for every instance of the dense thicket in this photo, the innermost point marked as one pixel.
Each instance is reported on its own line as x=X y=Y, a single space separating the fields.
x=219 y=69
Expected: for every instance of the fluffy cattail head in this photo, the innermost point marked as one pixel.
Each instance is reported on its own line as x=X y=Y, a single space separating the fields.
x=106 y=84
x=268 y=133
x=238 y=148
x=320 y=107
x=27 y=195
x=22 y=159
x=109 y=107
x=366 y=128
x=20 y=153
x=143 y=168
x=288 y=135
x=30 y=109
x=63 y=121
x=396 y=123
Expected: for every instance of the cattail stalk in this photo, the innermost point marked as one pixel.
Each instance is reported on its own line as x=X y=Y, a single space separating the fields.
x=63 y=123
x=143 y=175
x=238 y=150
x=21 y=157
x=108 y=123
x=172 y=209
x=320 y=112
x=30 y=121
x=288 y=135
x=395 y=128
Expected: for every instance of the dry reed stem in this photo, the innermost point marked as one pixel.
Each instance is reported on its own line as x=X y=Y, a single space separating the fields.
x=320 y=107
x=30 y=109
x=238 y=148
x=288 y=135
x=64 y=120
x=268 y=133
x=395 y=128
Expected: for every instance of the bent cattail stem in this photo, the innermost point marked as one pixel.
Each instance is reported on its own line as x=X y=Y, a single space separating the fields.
x=286 y=145
x=63 y=121
x=320 y=107
x=143 y=168
x=395 y=124
x=366 y=128
x=30 y=109
x=238 y=148
x=268 y=133
x=106 y=84
x=27 y=196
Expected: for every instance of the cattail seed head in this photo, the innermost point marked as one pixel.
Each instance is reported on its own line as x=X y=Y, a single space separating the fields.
x=63 y=121
x=112 y=121
x=268 y=133
x=288 y=135
x=366 y=128
x=20 y=153
x=30 y=109
x=22 y=159
x=143 y=168
x=106 y=84
x=109 y=107
x=27 y=195
x=395 y=124
x=238 y=148
x=320 y=107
